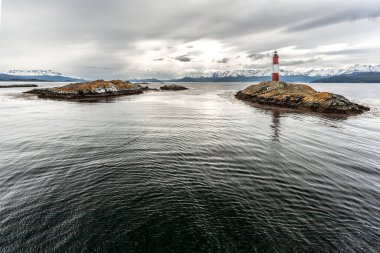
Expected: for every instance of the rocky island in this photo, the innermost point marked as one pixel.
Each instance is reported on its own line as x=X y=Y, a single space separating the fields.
x=94 y=89
x=299 y=96
x=173 y=87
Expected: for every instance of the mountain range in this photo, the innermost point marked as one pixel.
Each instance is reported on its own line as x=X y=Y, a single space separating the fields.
x=307 y=75
x=357 y=77
x=353 y=73
x=36 y=76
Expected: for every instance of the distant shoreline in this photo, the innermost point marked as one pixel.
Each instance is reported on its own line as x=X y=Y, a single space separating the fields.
x=18 y=86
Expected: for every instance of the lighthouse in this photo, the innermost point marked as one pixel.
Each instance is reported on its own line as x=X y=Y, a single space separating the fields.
x=276 y=69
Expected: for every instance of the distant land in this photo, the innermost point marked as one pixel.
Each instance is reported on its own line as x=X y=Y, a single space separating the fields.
x=355 y=73
x=36 y=76
x=215 y=78
x=350 y=74
x=361 y=77
x=148 y=80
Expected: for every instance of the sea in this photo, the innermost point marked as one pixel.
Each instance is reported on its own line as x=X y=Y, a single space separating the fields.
x=188 y=171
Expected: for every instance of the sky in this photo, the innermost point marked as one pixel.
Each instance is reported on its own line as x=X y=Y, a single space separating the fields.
x=125 y=39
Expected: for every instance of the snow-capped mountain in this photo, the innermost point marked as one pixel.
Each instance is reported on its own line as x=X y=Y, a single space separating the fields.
x=36 y=75
x=31 y=72
x=357 y=68
x=246 y=73
x=314 y=72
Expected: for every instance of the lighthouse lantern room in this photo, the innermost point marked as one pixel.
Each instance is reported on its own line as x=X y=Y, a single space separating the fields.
x=276 y=69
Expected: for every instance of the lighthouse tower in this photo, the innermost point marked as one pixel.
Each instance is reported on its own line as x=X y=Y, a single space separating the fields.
x=276 y=69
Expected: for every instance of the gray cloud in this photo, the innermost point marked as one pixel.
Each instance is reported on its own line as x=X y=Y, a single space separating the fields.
x=257 y=66
x=258 y=56
x=318 y=22
x=94 y=67
x=122 y=35
x=194 y=53
x=349 y=51
x=299 y=61
x=224 y=60
x=183 y=58
x=159 y=59
x=350 y=14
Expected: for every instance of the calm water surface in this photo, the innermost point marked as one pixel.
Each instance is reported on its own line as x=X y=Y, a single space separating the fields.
x=189 y=171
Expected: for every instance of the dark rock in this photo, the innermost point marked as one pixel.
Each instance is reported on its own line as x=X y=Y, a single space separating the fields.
x=174 y=87
x=147 y=88
x=19 y=86
x=299 y=96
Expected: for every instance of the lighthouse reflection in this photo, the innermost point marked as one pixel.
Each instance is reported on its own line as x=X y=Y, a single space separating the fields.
x=325 y=119
x=276 y=115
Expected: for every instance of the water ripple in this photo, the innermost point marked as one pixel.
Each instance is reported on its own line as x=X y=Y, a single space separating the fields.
x=194 y=171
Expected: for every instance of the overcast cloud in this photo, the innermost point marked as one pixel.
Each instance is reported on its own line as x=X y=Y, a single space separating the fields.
x=171 y=38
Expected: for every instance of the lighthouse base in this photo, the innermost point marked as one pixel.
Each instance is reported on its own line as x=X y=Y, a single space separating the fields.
x=275 y=77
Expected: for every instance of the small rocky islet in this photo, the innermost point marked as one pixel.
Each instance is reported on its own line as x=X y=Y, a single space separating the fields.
x=299 y=96
x=18 y=86
x=95 y=89
x=173 y=87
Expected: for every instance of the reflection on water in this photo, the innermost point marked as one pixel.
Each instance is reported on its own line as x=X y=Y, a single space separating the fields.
x=189 y=171
x=276 y=124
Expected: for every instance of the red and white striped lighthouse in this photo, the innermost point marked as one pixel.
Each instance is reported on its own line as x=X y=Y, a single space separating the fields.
x=276 y=69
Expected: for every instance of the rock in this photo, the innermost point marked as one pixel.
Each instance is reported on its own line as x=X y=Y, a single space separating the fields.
x=173 y=87
x=299 y=96
x=147 y=88
x=19 y=86
x=95 y=89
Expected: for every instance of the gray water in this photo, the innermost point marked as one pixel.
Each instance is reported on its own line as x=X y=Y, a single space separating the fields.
x=188 y=171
